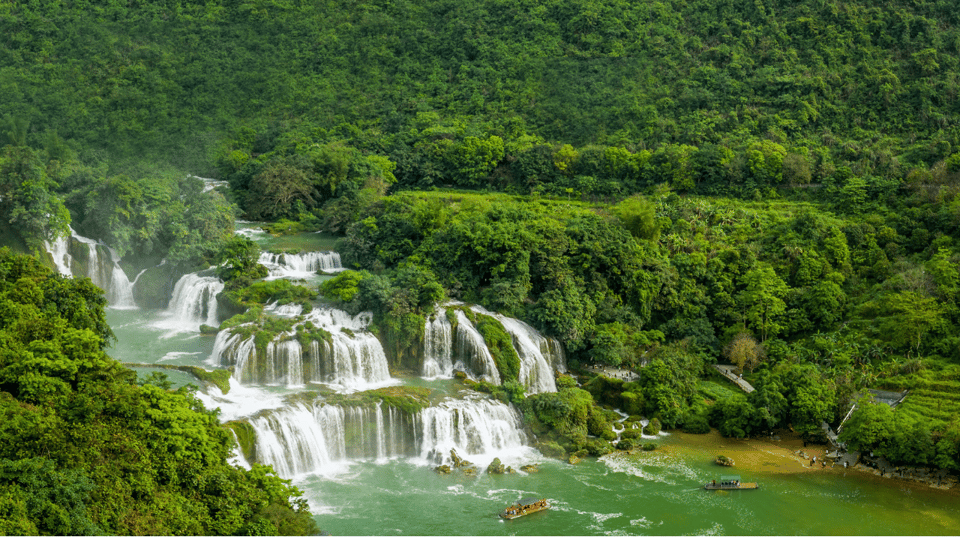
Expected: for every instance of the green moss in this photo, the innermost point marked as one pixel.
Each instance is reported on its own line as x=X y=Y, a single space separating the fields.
x=409 y=399
x=251 y=315
x=218 y=377
x=247 y=438
x=499 y=342
x=261 y=339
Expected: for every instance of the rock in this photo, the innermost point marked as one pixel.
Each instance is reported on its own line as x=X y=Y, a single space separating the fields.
x=573 y=459
x=496 y=467
x=530 y=468
x=725 y=461
x=457 y=461
x=470 y=471
x=443 y=469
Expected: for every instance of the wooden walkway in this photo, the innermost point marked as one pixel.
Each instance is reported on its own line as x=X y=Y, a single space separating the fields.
x=729 y=371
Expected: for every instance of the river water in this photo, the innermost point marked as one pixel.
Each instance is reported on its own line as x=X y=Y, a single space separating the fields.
x=392 y=489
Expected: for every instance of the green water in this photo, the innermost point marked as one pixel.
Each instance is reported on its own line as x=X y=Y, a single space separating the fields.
x=316 y=241
x=644 y=494
x=648 y=493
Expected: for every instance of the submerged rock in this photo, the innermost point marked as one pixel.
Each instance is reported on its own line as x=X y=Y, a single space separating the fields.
x=530 y=468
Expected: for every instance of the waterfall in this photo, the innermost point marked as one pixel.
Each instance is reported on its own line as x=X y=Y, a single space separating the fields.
x=472 y=427
x=300 y=265
x=76 y=255
x=445 y=352
x=316 y=438
x=194 y=302
x=351 y=361
x=438 y=347
x=473 y=351
x=350 y=357
x=539 y=356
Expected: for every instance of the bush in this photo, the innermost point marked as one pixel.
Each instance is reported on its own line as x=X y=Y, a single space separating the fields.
x=626 y=444
x=599 y=447
x=696 y=424
x=649 y=447
x=653 y=427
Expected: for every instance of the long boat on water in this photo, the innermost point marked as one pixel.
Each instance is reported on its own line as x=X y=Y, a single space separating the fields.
x=524 y=507
x=730 y=483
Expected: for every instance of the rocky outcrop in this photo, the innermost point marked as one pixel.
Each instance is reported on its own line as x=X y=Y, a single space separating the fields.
x=725 y=461
x=459 y=464
x=497 y=467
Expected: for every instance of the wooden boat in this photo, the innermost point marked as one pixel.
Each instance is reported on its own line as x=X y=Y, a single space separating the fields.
x=524 y=507
x=730 y=483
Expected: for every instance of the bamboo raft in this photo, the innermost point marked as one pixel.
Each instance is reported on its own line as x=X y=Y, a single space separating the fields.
x=730 y=483
x=524 y=507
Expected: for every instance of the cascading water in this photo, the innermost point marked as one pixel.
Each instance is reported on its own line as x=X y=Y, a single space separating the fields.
x=472 y=427
x=539 y=356
x=352 y=361
x=347 y=356
x=194 y=302
x=473 y=350
x=300 y=265
x=76 y=255
x=316 y=438
x=445 y=352
x=438 y=347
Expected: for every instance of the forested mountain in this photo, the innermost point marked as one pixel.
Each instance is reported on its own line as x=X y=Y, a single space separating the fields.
x=169 y=78
x=660 y=185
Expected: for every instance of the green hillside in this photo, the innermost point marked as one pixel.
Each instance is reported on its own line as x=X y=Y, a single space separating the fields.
x=170 y=78
x=660 y=185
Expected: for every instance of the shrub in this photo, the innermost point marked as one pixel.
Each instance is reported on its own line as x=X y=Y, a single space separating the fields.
x=697 y=424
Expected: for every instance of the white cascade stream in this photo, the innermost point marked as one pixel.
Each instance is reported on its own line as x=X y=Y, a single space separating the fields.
x=102 y=268
x=300 y=265
x=352 y=358
x=445 y=352
x=317 y=438
x=539 y=356
x=194 y=302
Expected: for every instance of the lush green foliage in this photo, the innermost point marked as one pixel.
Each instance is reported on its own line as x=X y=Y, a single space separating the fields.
x=85 y=450
x=312 y=111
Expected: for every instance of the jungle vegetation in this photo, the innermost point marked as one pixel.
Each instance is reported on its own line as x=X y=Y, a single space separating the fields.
x=659 y=185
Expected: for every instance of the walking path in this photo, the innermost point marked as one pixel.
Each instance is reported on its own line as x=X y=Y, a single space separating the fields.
x=729 y=371
x=614 y=373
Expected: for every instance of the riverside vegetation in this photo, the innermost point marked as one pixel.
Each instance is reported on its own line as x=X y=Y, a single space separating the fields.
x=660 y=186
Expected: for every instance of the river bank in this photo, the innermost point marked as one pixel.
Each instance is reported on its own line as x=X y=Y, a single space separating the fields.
x=786 y=453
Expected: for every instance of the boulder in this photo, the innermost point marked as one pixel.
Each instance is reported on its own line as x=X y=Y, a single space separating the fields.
x=725 y=461
x=496 y=467
x=443 y=469
x=530 y=468
x=458 y=462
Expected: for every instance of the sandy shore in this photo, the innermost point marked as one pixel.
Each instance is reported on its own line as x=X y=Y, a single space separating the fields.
x=771 y=456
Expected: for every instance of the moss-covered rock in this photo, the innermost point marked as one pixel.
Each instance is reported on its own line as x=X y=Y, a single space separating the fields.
x=409 y=399
x=246 y=437
x=218 y=377
x=154 y=286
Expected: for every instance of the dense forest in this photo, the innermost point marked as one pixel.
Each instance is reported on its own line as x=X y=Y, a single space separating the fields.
x=660 y=185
